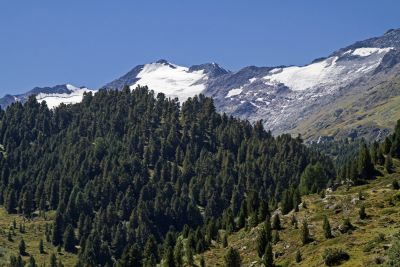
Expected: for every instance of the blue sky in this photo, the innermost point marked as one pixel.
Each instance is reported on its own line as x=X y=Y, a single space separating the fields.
x=91 y=42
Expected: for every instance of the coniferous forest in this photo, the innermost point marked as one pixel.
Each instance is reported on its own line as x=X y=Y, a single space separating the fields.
x=127 y=172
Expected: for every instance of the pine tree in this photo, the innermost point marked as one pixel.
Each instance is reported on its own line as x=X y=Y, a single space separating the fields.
x=225 y=241
x=387 y=145
x=202 y=262
x=189 y=255
x=365 y=166
x=287 y=201
x=57 y=229
x=395 y=185
x=275 y=237
x=32 y=262
x=296 y=199
x=261 y=242
x=276 y=222
x=253 y=220
x=9 y=236
x=150 y=251
x=22 y=247
x=380 y=159
x=293 y=220
x=232 y=258
x=327 y=228
x=178 y=253
x=11 y=202
x=41 y=246
x=21 y=228
x=362 y=214
x=69 y=239
x=389 y=164
x=169 y=260
x=130 y=257
x=268 y=230
x=263 y=211
x=305 y=234
x=395 y=148
x=27 y=203
x=53 y=260
x=298 y=256
x=16 y=261
x=268 y=256
x=313 y=178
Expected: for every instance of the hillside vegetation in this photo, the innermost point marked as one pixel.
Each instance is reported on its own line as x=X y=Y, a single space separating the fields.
x=126 y=178
x=367 y=244
x=125 y=172
x=356 y=114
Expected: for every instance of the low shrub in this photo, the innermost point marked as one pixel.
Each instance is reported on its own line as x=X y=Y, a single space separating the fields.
x=335 y=256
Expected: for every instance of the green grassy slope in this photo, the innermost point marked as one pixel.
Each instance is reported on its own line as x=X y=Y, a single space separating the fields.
x=365 y=244
x=34 y=231
x=362 y=111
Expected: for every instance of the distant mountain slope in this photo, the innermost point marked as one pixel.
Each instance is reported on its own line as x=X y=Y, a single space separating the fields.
x=296 y=99
x=170 y=79
x=292 y=99
x=54 y=96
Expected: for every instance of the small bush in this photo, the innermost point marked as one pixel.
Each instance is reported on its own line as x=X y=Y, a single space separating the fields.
x=369 y=246
x=396 y=197
x=362 y=213
x=298 y=256
x=395 y=185
x=346 y=226
x=335 y=256
x=380 y=238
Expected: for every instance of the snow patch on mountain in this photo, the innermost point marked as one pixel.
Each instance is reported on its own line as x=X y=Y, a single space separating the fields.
x=234 y=92
x=172 y=80
x=331 y=73
x=367 y=51
x=74 y=96
x=302 y=78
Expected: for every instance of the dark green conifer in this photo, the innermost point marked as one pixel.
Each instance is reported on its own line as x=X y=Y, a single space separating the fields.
x=261 y=242
x=389 y=164
x=232 y=258
x=225 y=241
x=57 y=229
x=22 y=247
x=268 y=256
x=305 y=234
x=276 y=222
x=41 y=246
x=362 y=214
x=298 y=256
x=32 y=262
x=327 y=228
x=69 y=239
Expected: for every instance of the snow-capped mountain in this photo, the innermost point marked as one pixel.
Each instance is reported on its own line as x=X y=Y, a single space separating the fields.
x=170 y=79
x=54 y=96
x=347 y=86
x=281 y=96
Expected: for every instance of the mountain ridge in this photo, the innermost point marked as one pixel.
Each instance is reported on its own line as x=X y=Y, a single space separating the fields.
x=282 y=96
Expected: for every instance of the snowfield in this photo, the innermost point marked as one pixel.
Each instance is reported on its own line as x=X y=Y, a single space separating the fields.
x=172 y=80
x=234 y=92
x=54 y=100
x=331 y=72
x=367 y=51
